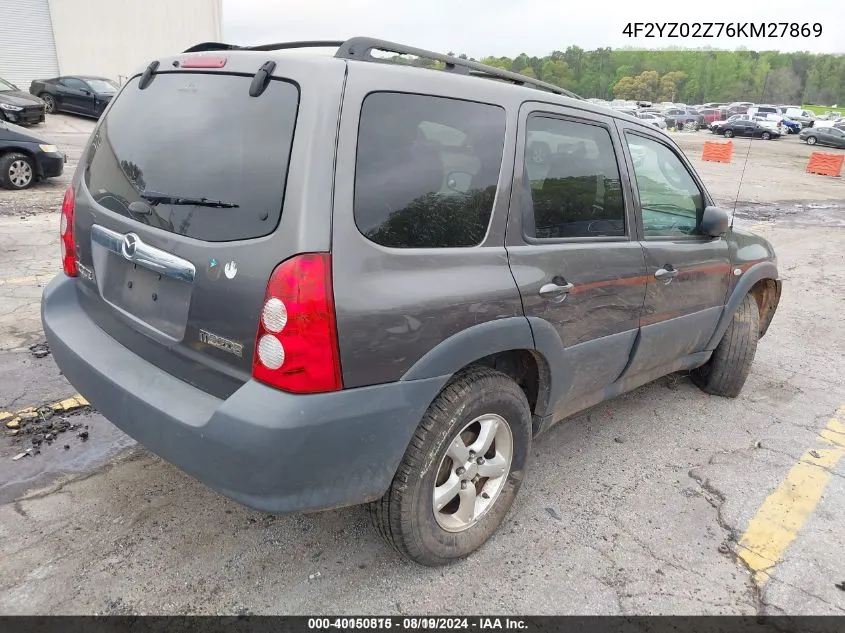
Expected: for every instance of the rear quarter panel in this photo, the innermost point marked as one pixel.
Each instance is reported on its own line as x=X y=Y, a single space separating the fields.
x=395 y=305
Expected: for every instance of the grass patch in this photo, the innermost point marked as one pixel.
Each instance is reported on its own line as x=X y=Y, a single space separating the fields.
x=821 y=110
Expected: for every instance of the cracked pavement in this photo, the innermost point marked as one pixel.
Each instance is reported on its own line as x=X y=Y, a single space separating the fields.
x=635 y=506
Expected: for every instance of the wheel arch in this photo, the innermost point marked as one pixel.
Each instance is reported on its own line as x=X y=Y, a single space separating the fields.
x=762 y=282
x=528 y=350
x=15 y=149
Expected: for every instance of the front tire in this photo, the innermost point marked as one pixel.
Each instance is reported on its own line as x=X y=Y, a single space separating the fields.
x=17 y=171
x=811 y=140
x=766 y=136
x=726 y=371
x=728 y=133
x=49 y=102
x=461 y=471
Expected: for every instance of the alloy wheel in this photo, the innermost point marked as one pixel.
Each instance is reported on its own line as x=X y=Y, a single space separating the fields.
x=473 y=473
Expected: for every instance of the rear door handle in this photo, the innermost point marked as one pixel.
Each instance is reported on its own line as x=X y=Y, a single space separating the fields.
x=666 y=275
x=551 y=290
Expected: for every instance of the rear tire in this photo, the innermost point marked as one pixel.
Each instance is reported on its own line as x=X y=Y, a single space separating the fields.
x=409 y=518
x=17 y=171
x=726 y=371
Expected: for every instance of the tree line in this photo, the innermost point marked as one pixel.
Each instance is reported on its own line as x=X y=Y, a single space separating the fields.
x=688 y=76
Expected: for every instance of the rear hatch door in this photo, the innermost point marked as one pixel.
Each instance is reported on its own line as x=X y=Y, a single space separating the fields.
x=179 y=206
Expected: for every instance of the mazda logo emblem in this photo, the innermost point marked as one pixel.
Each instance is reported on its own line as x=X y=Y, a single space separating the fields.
x=130 y=243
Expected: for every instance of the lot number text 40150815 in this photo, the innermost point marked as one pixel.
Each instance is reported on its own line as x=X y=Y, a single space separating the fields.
x=418 y=623
x=722 y=29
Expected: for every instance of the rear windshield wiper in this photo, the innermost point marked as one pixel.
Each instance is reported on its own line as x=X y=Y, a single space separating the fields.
x=161 y=198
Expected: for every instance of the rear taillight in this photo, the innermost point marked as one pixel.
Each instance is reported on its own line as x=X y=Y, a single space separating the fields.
x=66 y=234
x=296 y=346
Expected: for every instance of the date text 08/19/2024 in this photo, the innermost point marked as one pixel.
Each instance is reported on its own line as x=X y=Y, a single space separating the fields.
x=722 y=29
x=419 y=623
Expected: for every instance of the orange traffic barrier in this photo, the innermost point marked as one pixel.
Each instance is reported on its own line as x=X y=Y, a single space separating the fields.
x=825 y=164
x=719 y=152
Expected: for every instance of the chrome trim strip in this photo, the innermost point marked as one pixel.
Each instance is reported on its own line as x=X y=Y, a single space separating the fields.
x=130 y=247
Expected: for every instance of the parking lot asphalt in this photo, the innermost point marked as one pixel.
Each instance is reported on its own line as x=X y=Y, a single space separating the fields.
x=664 y=500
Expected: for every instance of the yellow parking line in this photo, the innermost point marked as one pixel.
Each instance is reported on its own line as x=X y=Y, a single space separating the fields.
x=12 y=420
x=785 y=511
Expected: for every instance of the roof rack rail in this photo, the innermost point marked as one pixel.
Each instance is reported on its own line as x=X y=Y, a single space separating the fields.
x=211 y=46
x=304 y=44
x=219 y=46
x=360 y=48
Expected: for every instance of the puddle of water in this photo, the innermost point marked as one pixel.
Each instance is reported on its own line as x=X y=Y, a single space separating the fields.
x=104 y=442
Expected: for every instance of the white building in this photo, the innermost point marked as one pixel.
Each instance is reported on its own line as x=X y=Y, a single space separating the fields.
x=40 y=39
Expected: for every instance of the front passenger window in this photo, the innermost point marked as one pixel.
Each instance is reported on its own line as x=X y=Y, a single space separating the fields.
x=671 y=202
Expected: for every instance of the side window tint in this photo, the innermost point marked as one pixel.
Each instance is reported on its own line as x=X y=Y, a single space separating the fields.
x=74 y=84
x=672 y=204
x=575 y=188
x=426 y=170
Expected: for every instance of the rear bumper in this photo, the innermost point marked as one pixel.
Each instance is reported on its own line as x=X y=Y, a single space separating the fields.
x=264 y=448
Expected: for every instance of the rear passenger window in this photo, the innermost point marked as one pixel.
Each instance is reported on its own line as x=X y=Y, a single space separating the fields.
x=575 y=189
x=426 y=170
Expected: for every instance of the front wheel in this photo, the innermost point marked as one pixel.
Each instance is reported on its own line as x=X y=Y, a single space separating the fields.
x=728 y=133
x=49 y=102
x=811 y=140
x=461 y=471
x=17 y=171
x=727 y=370
x=766 y=136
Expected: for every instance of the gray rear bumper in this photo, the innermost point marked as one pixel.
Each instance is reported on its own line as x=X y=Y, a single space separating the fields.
x=264 y=448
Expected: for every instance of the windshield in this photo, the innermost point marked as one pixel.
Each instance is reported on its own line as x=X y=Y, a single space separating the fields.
x=5 y=86
x=212 y=158
x=103 y=85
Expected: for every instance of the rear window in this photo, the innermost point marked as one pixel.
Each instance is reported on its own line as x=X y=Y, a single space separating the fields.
x=191 y=137
x=426 y=170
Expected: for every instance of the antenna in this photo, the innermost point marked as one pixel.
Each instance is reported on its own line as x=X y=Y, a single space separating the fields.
x=747 y=154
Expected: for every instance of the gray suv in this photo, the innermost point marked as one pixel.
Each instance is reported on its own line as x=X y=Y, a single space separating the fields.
x=313 y=281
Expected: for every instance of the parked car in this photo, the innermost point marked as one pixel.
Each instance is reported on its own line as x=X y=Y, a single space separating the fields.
x=300 y=347
x=829 y=122
x=654 y=119
x=17 y=106
x=787 y=125
x=763 y=109
x=712 y=114
x=753 y=128
x=833 y=136
x=77 y=94
x=678 y=116
x=804 y=117
x=718 y=127
x=25 y=159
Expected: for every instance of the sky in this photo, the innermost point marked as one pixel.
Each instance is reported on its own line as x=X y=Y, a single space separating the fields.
x=508 y=27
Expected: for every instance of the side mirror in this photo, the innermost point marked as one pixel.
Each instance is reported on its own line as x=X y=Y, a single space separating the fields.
x=715 y=221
